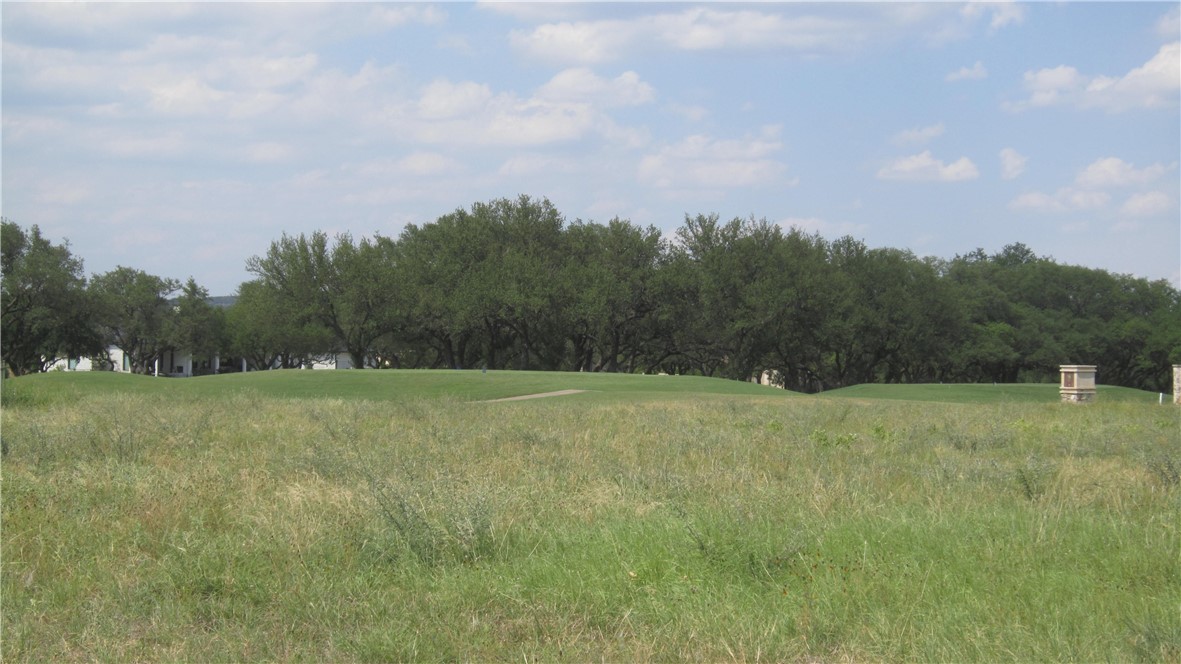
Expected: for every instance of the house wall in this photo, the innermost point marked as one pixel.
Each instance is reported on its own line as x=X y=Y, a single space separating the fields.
x=178 y=364
x=330 y=361
x=118 y=362
x=173 y=363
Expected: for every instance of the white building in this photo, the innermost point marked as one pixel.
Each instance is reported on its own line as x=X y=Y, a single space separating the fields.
x=181 y=364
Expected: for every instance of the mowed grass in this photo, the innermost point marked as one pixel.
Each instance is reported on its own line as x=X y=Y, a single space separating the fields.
x=990 y=393
x=237 y=525
x=386 y=385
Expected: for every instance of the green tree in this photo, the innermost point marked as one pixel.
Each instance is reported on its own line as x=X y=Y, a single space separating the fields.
x=520 y=281
x=262 y=328
x=700 y=277
x=484 y=283
x=132 y=312
x=195 y=326
x=348 y=288
x=608 y=282
x=44 y=311
x=440 y=267
x=803 y=297
x=751 y=299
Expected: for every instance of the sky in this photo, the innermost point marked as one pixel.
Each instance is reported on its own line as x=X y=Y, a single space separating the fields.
x=182 y=139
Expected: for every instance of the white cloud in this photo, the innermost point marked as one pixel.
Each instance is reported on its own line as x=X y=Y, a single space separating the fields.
x=52 y=193
x=456 y=43
x=534 y=12
x=268 y=152
x=583 y=85
x=396 y=15
x=1147 y=204
x=1064 y=200
x=692 y=113
x=704 y=162
x=140 y=145
x=443 y=99
x=506 y=120
x=1155 y=84
x=265 y=72
x=388 y=172
x=534 y=123
x=1169 y=25
x=571 y=105
x=1003 y=13
x=1115 y=172
x=710 y=29
x=924 y=167
x=813 y=29
x=918 y=135
x=975 y=72
x=824 y=227
x=1000 y=14
x=427 y=163
x=1088 y=191
x=589 y=42
x=693 y=29
x=533 y=164
x=186 y=97
x=1012 y=163
x=1049 y=86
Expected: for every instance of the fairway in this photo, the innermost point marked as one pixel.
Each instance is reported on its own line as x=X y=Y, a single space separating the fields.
x=988 y=393
x=386 y=516
x=386 y=385
x=403 y=385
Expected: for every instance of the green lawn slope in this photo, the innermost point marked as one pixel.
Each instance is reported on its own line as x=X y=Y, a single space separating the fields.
x=386 y=385
x=985 y=393
x=409 y=385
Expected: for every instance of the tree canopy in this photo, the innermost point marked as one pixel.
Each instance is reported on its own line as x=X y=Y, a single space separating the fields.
x=511 y=283
x=44 y=311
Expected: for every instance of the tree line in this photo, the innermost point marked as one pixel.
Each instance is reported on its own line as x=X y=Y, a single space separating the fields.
x=510 y=284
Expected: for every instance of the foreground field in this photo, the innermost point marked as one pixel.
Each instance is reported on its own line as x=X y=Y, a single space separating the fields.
x=233 y=525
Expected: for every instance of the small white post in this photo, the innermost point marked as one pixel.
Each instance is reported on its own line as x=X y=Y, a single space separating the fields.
x=1177 y=384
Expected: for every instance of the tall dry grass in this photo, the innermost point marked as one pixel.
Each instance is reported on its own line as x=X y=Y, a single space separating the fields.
x=251 y=528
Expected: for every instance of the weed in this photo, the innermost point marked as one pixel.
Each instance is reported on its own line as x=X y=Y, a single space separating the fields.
x=437 y=522
x=1154 y=642
x=1165 y=469
x=1032 y=477
x=884 y=434
x=822 y=438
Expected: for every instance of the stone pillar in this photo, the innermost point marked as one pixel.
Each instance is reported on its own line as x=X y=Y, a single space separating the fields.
x=1078 y=383
x=1177 y=383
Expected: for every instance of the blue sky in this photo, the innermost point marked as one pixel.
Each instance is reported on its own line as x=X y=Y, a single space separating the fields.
x=182 y=139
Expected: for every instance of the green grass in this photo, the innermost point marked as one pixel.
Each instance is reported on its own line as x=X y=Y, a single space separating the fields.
x=657 y=521
x=386 y=385
x=403 y=385
x=988 y=393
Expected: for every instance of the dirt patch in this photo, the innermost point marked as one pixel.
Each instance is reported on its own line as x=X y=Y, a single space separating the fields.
x=541 y=395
